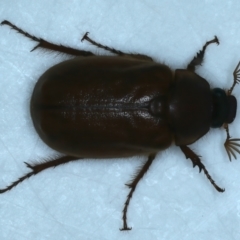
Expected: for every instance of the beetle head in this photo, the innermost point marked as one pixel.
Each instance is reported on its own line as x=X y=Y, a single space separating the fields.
x=224 y=108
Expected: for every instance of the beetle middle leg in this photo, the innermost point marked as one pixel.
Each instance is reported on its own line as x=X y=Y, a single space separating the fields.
x=39 y=167
x=132 y=185
x=114 y=51
x=197 y=162
x=197 y=60
x=47 y=45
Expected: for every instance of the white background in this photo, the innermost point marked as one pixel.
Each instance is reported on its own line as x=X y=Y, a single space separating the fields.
x=84 y=200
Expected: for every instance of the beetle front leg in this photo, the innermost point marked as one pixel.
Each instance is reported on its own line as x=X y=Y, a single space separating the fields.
x=132 y=185
x=197 y=162
x=47 y=45
x=39 y=167
x=115 y=51
x=200 y=55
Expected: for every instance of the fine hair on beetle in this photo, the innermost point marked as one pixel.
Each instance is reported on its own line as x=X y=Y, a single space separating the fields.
x=125 y=105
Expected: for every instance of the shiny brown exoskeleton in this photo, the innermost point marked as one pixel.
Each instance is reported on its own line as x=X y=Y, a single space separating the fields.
x=125 y=105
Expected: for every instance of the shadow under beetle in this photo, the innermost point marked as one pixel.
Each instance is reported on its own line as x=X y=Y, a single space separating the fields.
x=125 y=105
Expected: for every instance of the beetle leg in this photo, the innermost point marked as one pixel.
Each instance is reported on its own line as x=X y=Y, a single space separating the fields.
x=38 y=167
x=197 y=162
x=197 y=60
x=132 y=185
x=114 y=51
x=47 y=45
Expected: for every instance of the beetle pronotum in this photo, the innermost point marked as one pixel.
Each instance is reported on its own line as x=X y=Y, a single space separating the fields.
x=125 y=105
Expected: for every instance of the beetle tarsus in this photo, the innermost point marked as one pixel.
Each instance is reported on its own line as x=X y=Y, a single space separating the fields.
x=19 y=30
x=38 y=167
x=99 y=45
x=196 y=161
x=84 y=36
x=5 y=22
x=197 y=60
x=15 y=183
x=132 y=185
x=115 y=51
x=125 y=228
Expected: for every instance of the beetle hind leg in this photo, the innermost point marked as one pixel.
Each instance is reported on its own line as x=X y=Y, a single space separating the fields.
x=132 y=185
x=43 y=44
x=38 y=167
x=197 y=60
x=197 y=162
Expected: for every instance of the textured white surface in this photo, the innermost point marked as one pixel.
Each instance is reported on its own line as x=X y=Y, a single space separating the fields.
x=84 y=200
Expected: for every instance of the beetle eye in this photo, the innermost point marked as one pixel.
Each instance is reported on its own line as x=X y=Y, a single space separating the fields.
x=223 y=109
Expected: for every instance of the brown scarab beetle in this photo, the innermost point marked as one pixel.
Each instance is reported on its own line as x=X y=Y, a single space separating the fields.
x=125 y=105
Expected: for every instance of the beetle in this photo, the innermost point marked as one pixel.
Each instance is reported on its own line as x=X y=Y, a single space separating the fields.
x=125 y=105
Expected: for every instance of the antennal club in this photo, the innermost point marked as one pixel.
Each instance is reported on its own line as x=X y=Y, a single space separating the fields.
x=236 y=78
